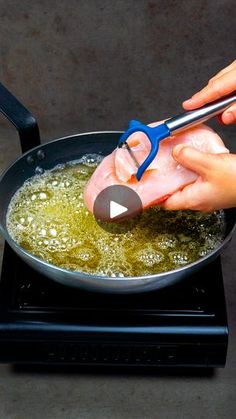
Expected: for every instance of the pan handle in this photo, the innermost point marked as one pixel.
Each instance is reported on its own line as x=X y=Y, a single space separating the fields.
x=21 y=118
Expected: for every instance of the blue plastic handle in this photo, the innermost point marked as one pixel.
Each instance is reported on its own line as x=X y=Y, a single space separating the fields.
x=154 y=134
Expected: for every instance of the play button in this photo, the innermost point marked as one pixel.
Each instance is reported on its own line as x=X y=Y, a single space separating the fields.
x=116 y=208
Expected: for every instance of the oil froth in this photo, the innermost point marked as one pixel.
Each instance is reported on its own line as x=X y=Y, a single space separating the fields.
x=47 y=217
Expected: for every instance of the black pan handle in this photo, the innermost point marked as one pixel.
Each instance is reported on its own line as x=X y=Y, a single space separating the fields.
x=21 y=118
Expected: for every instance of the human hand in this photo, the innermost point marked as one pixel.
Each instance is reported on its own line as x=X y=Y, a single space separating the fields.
x=222 y=84
x=215 y=187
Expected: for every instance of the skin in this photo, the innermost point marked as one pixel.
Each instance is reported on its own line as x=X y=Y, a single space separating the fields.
x=215 y=187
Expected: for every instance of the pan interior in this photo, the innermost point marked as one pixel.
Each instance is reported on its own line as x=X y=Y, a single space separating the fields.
x=46 y=157
x=47 y=217
x=59 y=152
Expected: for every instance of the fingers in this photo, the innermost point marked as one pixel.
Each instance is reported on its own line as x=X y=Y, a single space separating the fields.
x=229 y=116
x=216 y=89
x=180 y=200
x=194 y=197
x=224 y=71
x=213 y=188
x=220 y=85
x=193 y=159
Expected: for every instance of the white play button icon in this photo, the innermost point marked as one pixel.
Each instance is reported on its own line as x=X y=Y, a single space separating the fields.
x=116 y=209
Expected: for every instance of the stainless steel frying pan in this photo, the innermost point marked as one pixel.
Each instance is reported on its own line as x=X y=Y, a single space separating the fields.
x=36 y=157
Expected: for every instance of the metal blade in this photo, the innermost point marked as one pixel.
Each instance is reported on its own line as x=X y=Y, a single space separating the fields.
x=127 y=147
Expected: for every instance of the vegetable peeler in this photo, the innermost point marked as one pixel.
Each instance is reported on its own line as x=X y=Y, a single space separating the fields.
x=171 y=127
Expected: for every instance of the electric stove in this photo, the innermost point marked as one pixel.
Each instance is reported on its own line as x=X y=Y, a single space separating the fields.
x=43 y=322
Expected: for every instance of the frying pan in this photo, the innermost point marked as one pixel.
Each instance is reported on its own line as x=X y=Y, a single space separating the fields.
x=37 y=158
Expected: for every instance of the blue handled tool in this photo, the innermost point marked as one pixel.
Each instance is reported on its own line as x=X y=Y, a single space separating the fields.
x=171 y=127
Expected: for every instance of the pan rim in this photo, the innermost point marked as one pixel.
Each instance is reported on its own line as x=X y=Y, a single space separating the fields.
x=78 y=274
x=2 y=175
x=106 y=279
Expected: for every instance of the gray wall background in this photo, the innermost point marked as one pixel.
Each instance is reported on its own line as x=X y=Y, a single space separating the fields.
x=92 y=65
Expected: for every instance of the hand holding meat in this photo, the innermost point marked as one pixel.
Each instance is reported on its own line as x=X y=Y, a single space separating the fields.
x=215 y=187
x=164 y=177
x=216 y=184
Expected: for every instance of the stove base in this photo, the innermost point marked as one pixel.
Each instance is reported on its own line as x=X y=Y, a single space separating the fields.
x=42 y=322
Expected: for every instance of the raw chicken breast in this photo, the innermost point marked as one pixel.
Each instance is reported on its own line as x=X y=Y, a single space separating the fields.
x=163 y=177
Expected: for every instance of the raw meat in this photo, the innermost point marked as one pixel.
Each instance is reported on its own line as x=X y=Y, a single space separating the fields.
x=163 y=177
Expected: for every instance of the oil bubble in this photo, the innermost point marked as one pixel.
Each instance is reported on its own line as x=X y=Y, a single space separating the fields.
x=149 y=257
x=39 y=170
x=40 y=154
x=179 y=258
x=166 y=241
x=47 y=217
x=91 y=160
x=30 y=160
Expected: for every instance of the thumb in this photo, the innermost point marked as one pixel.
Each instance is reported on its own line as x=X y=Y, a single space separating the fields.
x=193 y=159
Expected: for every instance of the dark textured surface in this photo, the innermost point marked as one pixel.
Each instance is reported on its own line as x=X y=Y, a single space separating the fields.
x=90 y=65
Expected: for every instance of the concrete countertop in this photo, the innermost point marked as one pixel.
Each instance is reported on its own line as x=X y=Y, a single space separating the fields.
x=62 y=393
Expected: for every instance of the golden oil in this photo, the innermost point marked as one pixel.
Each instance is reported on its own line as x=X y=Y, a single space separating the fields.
x=47 y=216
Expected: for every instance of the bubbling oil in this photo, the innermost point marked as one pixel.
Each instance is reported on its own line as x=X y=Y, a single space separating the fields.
x=47 y=217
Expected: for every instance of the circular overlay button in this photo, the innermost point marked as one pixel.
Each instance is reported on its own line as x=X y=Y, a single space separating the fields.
x=116 y=208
